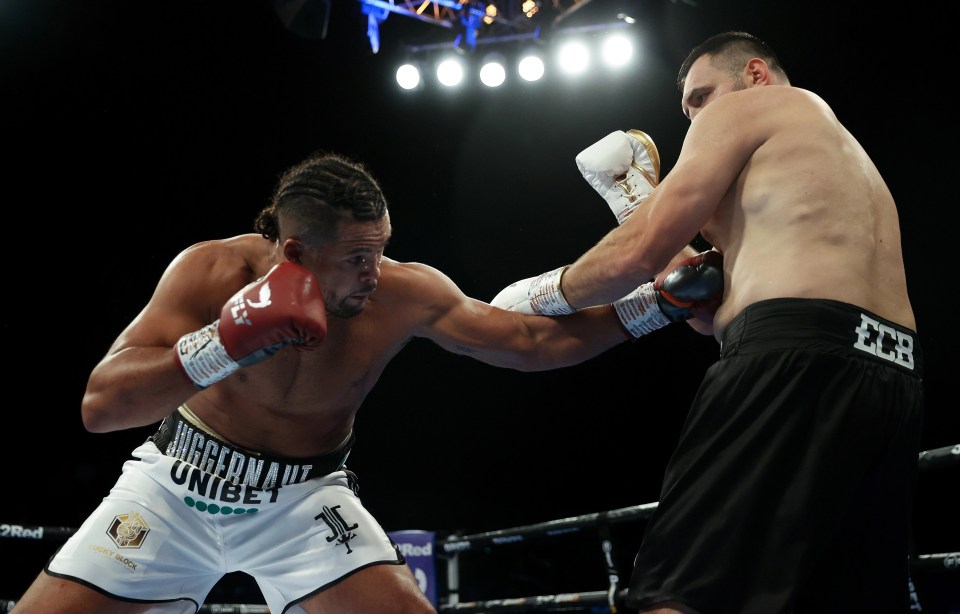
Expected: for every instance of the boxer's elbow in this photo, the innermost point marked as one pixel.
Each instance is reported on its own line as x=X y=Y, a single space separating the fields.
x=531 y=363
x=132 y=388
x=95 y=412
x=107 y=405
x=525 y=355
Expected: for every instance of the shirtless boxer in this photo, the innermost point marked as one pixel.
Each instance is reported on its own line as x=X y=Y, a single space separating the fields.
x=254 y=355
x=791 y=487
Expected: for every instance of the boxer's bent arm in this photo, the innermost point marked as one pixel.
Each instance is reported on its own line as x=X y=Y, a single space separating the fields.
x=623 y=259
x=685 y=279
x=710 y=160
x=138 y=380
x=501 y=338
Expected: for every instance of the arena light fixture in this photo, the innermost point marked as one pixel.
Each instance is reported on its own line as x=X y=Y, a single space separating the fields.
x=492 y=72
x=573 y=50
x=573 y=57
x=490 y=14
x=450 y=71
x=408 y=76
x=530 y=67
x=616 y=50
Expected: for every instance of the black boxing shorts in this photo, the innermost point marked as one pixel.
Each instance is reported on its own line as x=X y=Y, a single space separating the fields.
x=791 y=487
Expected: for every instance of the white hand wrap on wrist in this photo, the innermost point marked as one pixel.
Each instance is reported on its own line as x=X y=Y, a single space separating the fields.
x=545 y=295
x=203 y=357
x=639 y=311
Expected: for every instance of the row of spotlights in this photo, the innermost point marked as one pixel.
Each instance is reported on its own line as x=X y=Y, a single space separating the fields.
x=573 y=58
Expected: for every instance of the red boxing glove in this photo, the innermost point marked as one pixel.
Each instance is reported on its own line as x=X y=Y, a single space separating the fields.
x=284 y=307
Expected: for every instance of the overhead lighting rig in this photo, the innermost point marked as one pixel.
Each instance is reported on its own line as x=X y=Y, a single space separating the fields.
x=528 y=27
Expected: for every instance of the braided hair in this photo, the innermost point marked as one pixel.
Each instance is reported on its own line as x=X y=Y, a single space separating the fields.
x=315 y=194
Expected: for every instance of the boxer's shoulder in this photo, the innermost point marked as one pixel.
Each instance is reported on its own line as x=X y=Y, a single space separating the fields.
x=415 y=273
x=415 y=284
x=217 y=267
x=250 y=251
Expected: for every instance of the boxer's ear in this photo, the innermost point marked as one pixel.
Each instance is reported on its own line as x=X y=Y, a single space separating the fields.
x=292 y=249
x=756 y=72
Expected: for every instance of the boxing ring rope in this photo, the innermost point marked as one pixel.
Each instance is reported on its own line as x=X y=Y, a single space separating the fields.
x=614 y=596
x=455 y=545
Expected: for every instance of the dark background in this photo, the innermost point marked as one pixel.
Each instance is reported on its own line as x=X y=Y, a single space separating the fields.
x=132 y=130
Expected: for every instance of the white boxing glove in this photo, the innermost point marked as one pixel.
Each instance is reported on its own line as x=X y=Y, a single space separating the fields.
x=624 y=167
x=540 y=296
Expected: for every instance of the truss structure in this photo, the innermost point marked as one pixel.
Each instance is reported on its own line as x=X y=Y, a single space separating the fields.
x=469 y=23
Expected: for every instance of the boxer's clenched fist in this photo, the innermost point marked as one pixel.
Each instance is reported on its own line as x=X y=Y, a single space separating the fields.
x=284 y=307
x=692 y=289
x=539 y=295
x=623 y=167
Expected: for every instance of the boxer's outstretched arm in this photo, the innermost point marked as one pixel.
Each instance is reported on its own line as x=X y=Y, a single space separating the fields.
x=470 y=327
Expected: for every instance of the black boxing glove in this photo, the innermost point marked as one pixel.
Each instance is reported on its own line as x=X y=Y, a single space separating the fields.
x=693 y=289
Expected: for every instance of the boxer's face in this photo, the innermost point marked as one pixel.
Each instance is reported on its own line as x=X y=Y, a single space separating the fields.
x=704 y=84
x=348 y=268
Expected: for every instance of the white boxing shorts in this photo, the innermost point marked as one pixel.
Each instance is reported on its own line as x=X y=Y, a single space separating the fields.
x=168 y=532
